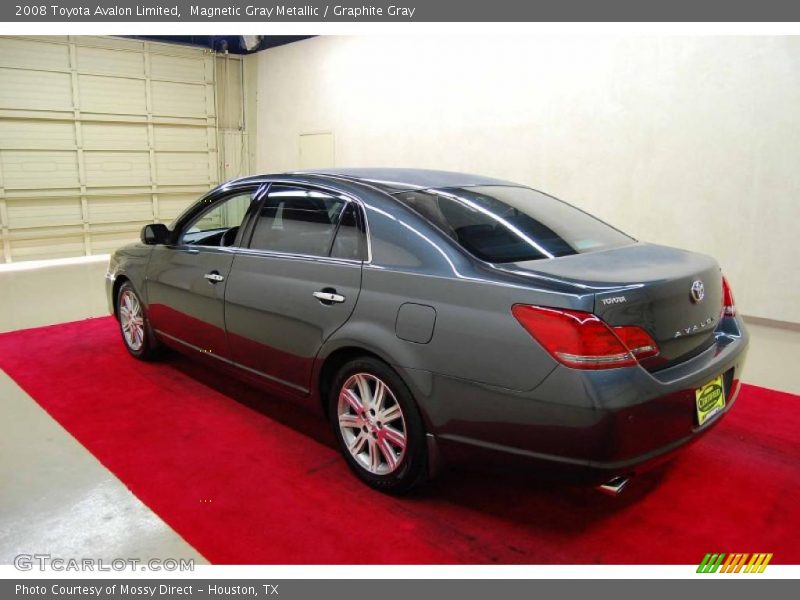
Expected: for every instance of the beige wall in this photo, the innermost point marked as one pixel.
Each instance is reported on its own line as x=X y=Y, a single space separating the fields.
x=687 y=141
x=37 y=293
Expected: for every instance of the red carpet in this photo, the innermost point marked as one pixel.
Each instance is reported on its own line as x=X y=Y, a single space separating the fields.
x=245 y=480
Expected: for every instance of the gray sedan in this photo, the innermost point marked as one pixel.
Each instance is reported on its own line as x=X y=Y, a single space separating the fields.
x=436 y=316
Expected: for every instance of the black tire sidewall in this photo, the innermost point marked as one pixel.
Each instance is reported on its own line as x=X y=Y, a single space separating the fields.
x=413 y=468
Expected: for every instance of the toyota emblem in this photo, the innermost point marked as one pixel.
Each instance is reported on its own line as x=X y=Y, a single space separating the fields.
x=698 y=291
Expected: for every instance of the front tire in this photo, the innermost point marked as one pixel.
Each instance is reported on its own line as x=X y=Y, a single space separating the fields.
x=378 y=426
x=134 y=326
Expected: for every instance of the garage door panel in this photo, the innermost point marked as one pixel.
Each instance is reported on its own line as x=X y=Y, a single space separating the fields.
x=169 y=137
x=24 y=213
x=230 y=75
x=24 y=134
x=104 y=242
x=180 y=99
x=199 y=121
x=178 y=68
x=170 y=206
x=28 y=54
x=113 y=209
x=30 y=169
x=232 y=142
x=117 y=168
x=116 y=95
x=182 y=168
x=47 y=243
x=114 y=62
x=113 y=43
x=135 y=141
x=37 y=90
x=114 y=136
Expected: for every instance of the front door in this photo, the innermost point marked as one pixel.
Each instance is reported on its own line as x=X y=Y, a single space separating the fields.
x=186 y=281
x=295 y=282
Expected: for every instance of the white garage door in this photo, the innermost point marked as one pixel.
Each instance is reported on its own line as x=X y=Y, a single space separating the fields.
x=99 y=136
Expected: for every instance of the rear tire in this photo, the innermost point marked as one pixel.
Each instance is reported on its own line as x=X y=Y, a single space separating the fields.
x=378 y=426
x=134 y=326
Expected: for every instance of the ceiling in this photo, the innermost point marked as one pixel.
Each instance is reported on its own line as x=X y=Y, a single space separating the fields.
x=235 y=44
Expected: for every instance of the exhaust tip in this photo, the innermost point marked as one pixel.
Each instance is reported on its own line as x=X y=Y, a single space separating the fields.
x=613 y=487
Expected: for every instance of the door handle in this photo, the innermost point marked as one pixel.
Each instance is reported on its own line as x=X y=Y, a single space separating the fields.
x=328 y=297
x=214 y=277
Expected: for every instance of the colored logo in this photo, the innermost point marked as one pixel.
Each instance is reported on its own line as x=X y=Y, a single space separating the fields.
x=709 y=396
x=734 y=563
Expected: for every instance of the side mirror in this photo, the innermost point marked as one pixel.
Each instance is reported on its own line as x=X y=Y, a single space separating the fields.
x=155 y=233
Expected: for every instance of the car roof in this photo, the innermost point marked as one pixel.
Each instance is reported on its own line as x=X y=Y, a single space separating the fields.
x=393 y=180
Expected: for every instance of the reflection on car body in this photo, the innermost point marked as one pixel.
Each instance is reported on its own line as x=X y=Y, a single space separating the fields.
x=436 y=317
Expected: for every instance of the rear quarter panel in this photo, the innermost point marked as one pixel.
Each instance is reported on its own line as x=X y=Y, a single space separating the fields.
x=475 y=336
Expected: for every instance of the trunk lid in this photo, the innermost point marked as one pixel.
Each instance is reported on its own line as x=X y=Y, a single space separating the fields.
x=649 y=286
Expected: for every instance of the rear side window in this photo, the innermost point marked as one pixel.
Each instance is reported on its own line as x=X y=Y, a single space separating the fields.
x=348 y=241
x=509 y=224
x=296 y=220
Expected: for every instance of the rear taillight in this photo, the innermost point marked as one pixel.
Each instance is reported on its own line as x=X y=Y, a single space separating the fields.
x=637 y=340
x=728 y=303
x=582 y=340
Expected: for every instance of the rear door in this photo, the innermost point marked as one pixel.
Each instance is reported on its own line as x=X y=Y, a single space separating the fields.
x=295 y=282
x=186 y=281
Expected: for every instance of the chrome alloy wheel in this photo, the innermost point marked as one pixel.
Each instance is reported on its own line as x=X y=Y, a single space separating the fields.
x=372 y=424
x=131 y=320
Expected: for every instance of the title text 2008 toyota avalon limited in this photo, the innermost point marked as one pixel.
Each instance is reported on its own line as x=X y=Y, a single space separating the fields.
x=436 y=316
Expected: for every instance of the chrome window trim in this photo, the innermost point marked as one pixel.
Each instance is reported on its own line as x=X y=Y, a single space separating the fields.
x=191 y=249
x=294 y=255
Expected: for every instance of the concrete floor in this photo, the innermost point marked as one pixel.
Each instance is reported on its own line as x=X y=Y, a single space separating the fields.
x=56 y=498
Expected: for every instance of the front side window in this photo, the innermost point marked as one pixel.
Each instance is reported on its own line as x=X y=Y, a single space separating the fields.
x=508 y=224
x=296 y=220
x=218 y=225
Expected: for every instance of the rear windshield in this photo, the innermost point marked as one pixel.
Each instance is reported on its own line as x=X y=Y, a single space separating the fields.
x=509 y=224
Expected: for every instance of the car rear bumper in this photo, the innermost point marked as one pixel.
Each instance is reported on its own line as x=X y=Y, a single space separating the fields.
x=597 y=423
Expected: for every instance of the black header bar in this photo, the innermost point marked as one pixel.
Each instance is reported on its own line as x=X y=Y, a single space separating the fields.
x=401 y=11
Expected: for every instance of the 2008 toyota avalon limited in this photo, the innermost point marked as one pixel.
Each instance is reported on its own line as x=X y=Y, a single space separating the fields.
x=436 y=316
